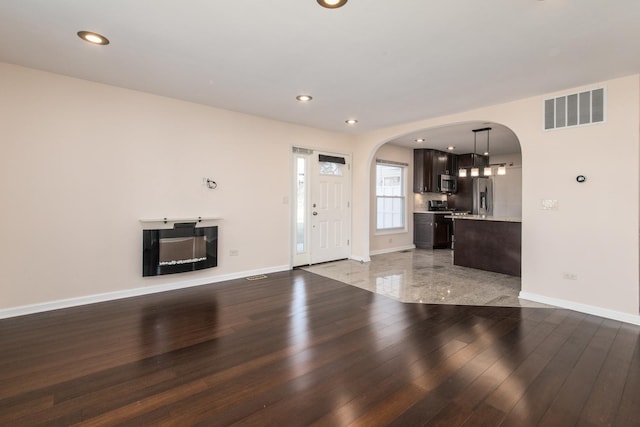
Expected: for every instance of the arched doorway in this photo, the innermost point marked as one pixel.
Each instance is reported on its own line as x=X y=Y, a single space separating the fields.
x=429 y=275
x=456 y=139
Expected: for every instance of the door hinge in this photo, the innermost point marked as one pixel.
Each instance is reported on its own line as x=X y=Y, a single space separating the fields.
x=348 y=204
x=347 y=242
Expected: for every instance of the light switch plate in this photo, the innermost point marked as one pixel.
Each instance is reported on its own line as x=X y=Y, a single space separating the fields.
x=549 y=204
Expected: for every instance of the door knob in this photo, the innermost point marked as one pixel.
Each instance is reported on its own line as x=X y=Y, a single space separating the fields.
x=315 y=213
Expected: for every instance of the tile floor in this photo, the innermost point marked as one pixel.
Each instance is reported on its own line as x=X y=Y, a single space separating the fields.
x=428 y=277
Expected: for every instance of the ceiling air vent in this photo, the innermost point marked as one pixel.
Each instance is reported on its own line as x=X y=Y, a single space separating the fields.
x=576 y=109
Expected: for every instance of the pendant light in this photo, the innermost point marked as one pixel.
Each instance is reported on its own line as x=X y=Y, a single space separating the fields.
x=502 y=169
x=487 y=170
x=474 y=170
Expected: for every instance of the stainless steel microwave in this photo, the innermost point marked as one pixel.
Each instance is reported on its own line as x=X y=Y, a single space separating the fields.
x=447 y=183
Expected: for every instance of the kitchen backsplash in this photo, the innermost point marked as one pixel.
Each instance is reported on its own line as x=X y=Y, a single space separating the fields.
x=421 y=201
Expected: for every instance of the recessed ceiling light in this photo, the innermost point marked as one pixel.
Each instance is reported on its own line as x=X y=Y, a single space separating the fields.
x=419 y=140
x=351 y=121
x=451 y=148
x=93 y=38
x=304 y=98
x=332 y=4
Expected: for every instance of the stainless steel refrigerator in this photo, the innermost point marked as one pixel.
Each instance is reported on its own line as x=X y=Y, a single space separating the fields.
x=482 y=195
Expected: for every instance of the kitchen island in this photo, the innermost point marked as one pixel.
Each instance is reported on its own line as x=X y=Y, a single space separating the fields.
x=488 y=243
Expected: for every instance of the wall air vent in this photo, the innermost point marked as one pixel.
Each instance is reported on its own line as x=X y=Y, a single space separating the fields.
x=576 y=109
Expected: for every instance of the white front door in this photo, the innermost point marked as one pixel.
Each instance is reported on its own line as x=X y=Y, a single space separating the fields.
x=322 y=207
x=330 y=207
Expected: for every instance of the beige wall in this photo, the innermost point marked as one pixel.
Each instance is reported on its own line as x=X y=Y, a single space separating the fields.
x=79 y=155
x=507 y=189
x=82 y=163
x=384 y=241
x=600 y=246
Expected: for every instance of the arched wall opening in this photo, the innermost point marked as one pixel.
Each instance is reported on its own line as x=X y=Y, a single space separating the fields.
x=578 y=240
x=457 y=139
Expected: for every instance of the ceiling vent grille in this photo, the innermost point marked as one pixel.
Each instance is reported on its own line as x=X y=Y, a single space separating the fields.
x=576 y=109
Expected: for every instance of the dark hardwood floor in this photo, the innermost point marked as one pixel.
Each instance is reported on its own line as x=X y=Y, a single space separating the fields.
x=299 y=349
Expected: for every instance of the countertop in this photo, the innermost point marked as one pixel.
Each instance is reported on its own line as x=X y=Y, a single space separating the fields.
x=486 y=218
x=434 y=212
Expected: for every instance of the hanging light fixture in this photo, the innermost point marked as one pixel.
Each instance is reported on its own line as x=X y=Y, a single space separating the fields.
x=487 y=170
x=474 y=170
x=502 y=169
x=462 y=172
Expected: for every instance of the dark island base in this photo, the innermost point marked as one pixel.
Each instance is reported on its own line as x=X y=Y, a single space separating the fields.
x=488 y=245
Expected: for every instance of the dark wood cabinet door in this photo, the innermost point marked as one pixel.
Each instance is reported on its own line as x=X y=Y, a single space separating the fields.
x=467 y=160
x=431 y=231
x=439 y=167
x=452 y=164
x=423 y=230
x=422 y=171
x=441 y=232
x=428 y=165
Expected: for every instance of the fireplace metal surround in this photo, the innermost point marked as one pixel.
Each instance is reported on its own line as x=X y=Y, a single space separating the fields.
x=182 y=248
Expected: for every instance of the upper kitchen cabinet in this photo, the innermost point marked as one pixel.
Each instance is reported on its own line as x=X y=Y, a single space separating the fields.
x=422 y=175
x=467 y=160
x=428 y=165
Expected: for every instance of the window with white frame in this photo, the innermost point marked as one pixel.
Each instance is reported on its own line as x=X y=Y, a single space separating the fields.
x=390 y=196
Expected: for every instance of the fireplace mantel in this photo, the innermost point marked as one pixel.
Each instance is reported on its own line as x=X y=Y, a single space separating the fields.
x=169 y=221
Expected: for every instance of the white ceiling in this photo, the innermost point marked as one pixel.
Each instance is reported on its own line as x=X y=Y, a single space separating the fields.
x=381 y=62
x=502 y=140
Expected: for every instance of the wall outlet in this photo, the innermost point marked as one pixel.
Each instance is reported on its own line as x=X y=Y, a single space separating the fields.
x=570 y=276
x=234 y=252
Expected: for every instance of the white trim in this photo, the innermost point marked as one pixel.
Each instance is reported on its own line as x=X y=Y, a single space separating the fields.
x=128 y=293
x=583 y=308
x=360 y=258
x=404 y=171
x=386 y=231
x=389 y=250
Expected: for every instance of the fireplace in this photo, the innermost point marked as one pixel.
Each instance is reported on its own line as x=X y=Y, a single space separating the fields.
x=182 y=248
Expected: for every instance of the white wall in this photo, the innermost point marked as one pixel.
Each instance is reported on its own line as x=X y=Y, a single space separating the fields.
x=507 y=189
x=82 y=163
x=599 y=247
x=382 y=242
x=80 y=156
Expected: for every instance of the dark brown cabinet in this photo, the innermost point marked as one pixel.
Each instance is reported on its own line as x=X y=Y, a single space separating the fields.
x=489 y=245
x=428 y=165
x=467 y=160
x=432 y=230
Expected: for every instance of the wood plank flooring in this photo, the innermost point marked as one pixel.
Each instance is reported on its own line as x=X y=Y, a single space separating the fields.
x=297 y=349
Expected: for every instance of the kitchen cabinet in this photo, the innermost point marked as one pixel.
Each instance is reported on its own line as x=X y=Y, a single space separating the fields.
x=428 y=165
x=432 y=230
x=467 y=161
x=491 y=245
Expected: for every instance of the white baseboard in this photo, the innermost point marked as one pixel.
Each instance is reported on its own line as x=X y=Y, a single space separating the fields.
x=583 y=308
x=390 y=250
x=360 y=258
x=110 y=296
